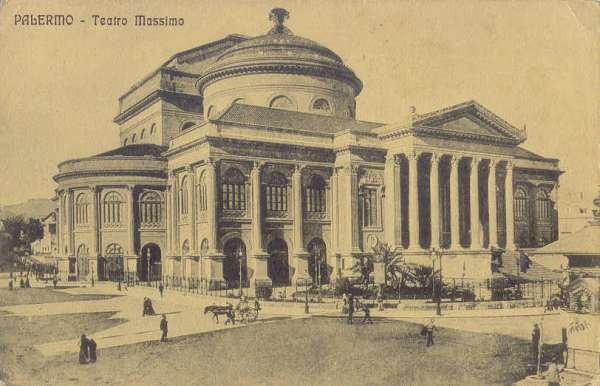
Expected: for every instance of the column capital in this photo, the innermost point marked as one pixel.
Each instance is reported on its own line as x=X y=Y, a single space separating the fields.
x=475 y=161
x=412 y=155
x=454 y=158
x=392 y=159
x=93 y=188
x=172 y=173
x=492 y=163
x=510 y=165
x=299 y=168
x=189 y=168
x=258 y=165
x=434 y=160
x=212 y=162
x=130 y=187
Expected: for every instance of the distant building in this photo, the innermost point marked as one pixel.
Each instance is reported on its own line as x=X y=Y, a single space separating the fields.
x=245 y=153
x=576 y=212
x=45 y=249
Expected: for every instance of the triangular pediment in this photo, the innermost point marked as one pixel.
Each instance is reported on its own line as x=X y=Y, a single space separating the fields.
x=468 y=120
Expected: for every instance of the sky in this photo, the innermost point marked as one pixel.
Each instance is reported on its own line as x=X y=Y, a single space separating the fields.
x=534 y=63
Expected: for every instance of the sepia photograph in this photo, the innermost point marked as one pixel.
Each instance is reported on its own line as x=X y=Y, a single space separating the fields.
x=318 y=192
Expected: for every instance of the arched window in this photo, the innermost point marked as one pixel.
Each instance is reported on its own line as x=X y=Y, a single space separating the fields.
x=234 y=190
x=542 y=205
x=81 y=209
x=187 y=125
x=276 y=192
x=282 y=102
x=183 y=197
x=321 y=105
x=521 y=204
x=314 y=195
x=125 y=142
x=151 y=208
x=133 y=137
x=370 y=212
x=152 y=128
x=185 y=248
x=142 y=134
x=201 y=193
x=114 y=250
x=112 y=207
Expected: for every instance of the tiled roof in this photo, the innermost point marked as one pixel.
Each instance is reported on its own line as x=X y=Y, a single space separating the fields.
x=583 y=242
x=137 y=150
x=241 y=114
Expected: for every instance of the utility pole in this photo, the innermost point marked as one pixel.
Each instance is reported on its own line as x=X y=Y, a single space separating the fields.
x=240 y=255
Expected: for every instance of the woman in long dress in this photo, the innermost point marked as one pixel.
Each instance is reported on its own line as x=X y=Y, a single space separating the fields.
x=83 y=350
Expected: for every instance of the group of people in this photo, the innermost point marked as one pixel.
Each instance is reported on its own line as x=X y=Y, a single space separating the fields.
x=351 y=304
x=23 y=283
x=148 y=309
x=87 y=350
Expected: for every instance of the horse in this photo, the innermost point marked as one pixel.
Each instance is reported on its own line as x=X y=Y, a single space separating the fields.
x=218 y=310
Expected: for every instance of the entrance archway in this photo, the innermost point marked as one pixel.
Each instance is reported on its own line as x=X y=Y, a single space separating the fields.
x=113 y=263
x=151 y=255
x=317 y=261
x=278 y=267
x=235 y=252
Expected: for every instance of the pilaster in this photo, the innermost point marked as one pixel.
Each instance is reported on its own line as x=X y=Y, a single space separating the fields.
x=259 y=255
x=474 y=203
x=392 y=201
x=300 y=255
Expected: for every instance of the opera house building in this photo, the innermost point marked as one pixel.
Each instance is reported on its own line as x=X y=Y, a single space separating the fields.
x=243 y=157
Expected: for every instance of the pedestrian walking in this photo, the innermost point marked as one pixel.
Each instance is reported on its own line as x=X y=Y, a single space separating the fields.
x=367 y=317
x=54 y=281
x=92 y=350
x=10 y=284
x=164 y=327
x=27 y=284
x=535 y=342
x=344 y=303
x=83 y=350
x=380 y=300
x=429 y=328
x=161 y=288
x=22 y=283
x=350 y=308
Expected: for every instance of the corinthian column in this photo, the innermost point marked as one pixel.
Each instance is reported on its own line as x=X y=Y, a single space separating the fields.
x=492 y=220
x=474 y=203
x=259 y=255
x=392 y=201
x=131 y=257
x=215 y=256
x=413 y=200
x=454 y=204
x=510 y=222
x=434 y=192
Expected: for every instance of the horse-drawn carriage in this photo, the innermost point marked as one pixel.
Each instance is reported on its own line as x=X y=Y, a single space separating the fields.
x=243 y=312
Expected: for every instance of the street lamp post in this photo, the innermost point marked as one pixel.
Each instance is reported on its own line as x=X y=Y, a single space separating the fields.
x=148 y=263
x=92 y=275
x=306 y=310
x=318 y=268
x=437 y=254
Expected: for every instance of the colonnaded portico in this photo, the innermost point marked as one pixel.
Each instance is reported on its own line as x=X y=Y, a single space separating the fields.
x=242 y=161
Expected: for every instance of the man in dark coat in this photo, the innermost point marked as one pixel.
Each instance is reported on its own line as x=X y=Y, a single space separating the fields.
x=83 y=350
x=429 y=327
x=350 y=308
x=535 y=342
x=164 y=327
x=92 y=350
x=367 y=318
x=161 y=288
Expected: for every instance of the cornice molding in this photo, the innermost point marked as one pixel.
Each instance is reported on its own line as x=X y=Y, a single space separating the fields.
x=148 y=100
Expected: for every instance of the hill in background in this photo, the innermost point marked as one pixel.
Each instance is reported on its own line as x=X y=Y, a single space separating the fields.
x=36 y=208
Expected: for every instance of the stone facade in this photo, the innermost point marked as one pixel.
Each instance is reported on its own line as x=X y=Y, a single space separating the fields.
x=278 y=178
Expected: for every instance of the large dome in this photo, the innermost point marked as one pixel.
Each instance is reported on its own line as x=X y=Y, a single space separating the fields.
x=280 y=52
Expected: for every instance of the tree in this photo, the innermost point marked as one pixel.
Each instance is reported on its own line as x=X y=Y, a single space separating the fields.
x=21 y=233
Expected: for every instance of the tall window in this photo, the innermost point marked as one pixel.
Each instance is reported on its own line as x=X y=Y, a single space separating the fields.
x=542 y=205
x=370 y=215
x=276 y=192
x=521 y=204
x=314 y=195
x=81 y=209
x=183 y=197
x=142 y=134
x=112 y=208
x=151 y=208
x=201 y=193
x=234 y=190
x=133 y=138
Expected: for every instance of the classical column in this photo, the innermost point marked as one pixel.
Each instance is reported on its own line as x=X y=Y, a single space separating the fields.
x=168 y=222
x=492 y=220
x=300 y=254
x=192 y=209
x=215 y=256
x=413 y=200
x=392 y=201
x=95 y=234
x=69 y=222
x=175 y=210
x=510 y=222
x=348 y=216
x=434 y=193
x=474 y=203
x=454 y=204
x=259 y=255
x=332 y=208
